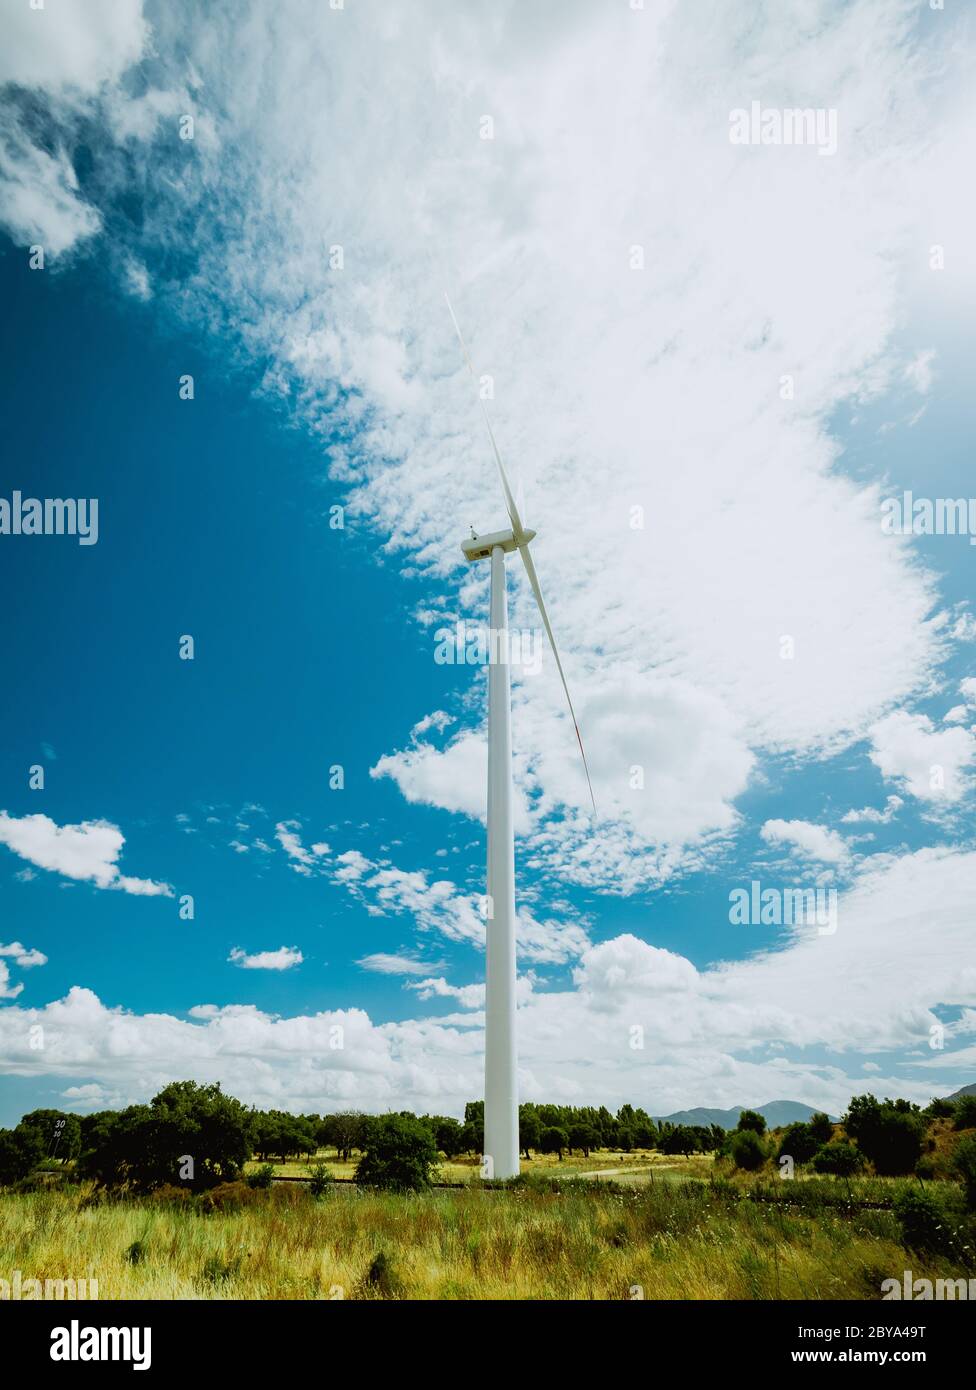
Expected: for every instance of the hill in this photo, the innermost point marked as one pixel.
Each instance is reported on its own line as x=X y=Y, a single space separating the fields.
x=963 y=1091
x=775 y=1112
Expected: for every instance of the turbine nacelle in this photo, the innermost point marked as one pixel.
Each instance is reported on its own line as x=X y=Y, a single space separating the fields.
x=480 y=547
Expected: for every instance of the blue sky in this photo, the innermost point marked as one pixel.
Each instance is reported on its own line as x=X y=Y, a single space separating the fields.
x=317 y=907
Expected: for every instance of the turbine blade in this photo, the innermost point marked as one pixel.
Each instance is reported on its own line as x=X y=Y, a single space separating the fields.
x=537 y=591
x=518 y=530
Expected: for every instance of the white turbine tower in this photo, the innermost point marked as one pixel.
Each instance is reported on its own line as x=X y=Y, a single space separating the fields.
x=501 y=1156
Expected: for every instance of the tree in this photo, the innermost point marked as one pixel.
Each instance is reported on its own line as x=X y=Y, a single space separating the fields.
x=21 y=1150
x=821 y=1127
x=400 y=1155
x=448 y=1136
x=839 y=1158
x=678 y=1139
x=529 y=1130
x=965 y=1113
x=888 y=1133
x=940 y=1109
x=553 y=1140
x=189 y=1134
x=747 y=1149
x=59 y=1132
x=752 y=1120
x=583 y=1137
x=799 y=1142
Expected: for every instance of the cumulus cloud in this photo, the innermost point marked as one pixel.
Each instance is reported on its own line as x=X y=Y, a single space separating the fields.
x=87 y=852
x=285 y=958
x=638 y=1023
x=814 y=841
x=70 y=55
x=892 y=806
x=932 y=764
x=23 y=957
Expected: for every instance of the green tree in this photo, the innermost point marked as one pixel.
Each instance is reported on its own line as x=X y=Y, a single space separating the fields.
x=799 y=1142
x=60 y=1132
x=400 y=1155
x=147 y=1146
x=448 y=1136
x=889 y=1133
x=747 y=1149
x=965 y=1113
x=839 y=1158
x=583 y=1137
x=821 y=1127
x=553 y=1140
x=530 y=1130
x=21 y=1150
x=752 y=1120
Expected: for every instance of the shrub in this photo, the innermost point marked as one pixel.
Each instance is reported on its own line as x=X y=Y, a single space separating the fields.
x=229 y=1196
x=965 y=1113
x=924 y=1224
x=401 y=1154
x=322 y=1179
x=964 y=1165
x=261 y=1177
x=839 y=1158
x=747 y=1150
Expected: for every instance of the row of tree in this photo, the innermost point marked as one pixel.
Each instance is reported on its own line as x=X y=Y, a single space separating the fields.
x=198 y=1136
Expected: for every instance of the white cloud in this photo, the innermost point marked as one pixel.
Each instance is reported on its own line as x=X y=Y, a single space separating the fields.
x=67 y=46
x=285 y=958
x=815 y=841
x=86 y=852
x=892 y=806
x=468 y=996
x=932 y=764
x=303 y=860
x=735 y=1032
x=661 y=387
x=382 y=963
x=72 y=54
x=919 y=372
x=23 y=957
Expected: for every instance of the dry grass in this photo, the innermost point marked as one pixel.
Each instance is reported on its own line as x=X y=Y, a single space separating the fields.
x=682 y=1240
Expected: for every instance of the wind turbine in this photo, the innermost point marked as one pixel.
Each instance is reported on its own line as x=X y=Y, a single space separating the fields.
x=501 y=1155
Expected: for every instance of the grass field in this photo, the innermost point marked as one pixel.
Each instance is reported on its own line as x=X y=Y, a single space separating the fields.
x=638 y=1163
x=671 y=1240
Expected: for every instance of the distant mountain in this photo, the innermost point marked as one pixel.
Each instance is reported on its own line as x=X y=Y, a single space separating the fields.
x=963 y=1091
x=775 y=1112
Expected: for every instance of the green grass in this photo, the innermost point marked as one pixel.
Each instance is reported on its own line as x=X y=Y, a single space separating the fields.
x=675 y=1240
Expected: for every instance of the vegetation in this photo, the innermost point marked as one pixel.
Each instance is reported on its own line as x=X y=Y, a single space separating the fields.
x=180 y=1198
